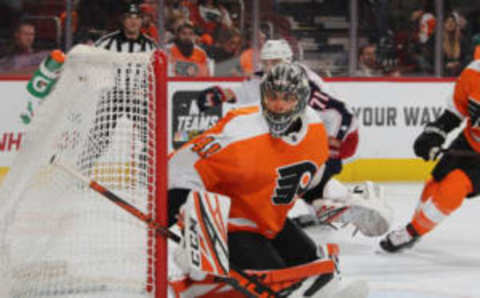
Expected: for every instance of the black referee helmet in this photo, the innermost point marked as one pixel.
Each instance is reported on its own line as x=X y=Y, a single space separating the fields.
x=131 y=8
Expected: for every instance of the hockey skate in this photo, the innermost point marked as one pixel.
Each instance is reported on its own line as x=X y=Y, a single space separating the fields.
x=400 y=239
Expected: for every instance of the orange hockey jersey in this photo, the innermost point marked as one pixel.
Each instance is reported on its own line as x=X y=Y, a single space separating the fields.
x=467 y=89
x=261 y=174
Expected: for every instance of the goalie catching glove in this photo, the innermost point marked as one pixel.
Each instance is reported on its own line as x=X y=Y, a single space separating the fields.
x=364 y=207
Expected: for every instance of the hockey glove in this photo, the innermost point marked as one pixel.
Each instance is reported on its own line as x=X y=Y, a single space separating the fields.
x=210 y=97
x=428 y=143
x=474 y=112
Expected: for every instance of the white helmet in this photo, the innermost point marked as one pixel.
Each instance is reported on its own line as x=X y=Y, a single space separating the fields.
x=276 y=49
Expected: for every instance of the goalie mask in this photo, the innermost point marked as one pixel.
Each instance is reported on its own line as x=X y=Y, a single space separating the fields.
x=284 y=93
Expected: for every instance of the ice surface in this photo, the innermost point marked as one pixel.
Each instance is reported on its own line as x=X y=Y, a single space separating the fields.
x=443 y=264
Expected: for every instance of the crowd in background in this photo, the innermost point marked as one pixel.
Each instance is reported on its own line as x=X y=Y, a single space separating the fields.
x=404 y=40
x=396 y=38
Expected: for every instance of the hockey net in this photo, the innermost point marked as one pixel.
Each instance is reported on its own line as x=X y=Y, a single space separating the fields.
x=58 y=238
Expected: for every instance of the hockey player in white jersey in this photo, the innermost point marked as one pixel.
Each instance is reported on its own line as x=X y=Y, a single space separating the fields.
x=338 y=203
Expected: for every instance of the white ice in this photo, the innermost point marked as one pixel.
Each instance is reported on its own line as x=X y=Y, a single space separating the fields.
x=443 y=264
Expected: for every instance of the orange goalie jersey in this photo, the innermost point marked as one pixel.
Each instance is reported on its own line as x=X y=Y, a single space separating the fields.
x=467 y=92
x=261 y=174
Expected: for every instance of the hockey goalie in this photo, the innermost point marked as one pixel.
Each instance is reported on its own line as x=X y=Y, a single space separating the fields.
x=363 y=206
x=230 y=190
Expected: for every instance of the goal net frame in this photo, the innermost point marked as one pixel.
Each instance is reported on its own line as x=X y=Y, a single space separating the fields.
x=148 y=168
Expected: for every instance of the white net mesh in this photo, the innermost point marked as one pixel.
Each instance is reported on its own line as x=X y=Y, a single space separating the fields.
x=58 y=238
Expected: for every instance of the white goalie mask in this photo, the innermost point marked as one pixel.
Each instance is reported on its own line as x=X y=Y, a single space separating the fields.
x=275 y=49
x=288 y=83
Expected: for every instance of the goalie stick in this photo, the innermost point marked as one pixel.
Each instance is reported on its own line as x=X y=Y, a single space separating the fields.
x=325 y=218
x=260 y=290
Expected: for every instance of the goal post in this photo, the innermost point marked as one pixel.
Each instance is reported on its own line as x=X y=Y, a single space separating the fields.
x=108 y=117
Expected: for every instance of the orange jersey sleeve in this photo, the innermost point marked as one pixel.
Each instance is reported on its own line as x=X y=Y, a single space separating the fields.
x=467 y=89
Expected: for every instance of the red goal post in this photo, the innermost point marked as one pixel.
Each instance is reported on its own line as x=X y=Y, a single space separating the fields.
x=108 y=117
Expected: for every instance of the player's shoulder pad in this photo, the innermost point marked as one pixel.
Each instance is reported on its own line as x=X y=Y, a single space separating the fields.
x=312 y=116
x=235 y=115
x=474 y=65
x=241 y=123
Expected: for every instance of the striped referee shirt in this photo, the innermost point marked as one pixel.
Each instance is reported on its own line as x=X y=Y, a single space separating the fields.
x=118 y=42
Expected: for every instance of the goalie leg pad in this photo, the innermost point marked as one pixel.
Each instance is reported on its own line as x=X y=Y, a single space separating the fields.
x=204 y=247
x=307 y=278
x=315 y=279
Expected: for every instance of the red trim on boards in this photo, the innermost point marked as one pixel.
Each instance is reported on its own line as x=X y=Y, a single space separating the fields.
x=14 y=77
x=239 y=79
x=391 y=79
x=206 y=79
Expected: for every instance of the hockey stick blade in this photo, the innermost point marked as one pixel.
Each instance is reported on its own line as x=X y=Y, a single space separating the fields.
x=103 y=191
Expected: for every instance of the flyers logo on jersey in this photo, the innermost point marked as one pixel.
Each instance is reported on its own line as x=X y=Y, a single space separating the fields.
x=293 y=179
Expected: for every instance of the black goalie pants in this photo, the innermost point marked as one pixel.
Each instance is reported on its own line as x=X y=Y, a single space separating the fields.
x=292 y=246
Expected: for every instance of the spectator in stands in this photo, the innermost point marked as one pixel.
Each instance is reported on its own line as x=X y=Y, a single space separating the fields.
x=20 y=55
x=422 y=45
x=186 y=59
x=226 y=51
x=208 y=15
x=247 y=63
x=74 y=21
x=367 y=62
x=129 y=38
x=425 y=21
x=455 y=48
x=178 y=10
x=24 y=37
x=149 y=21
x=476 y=46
